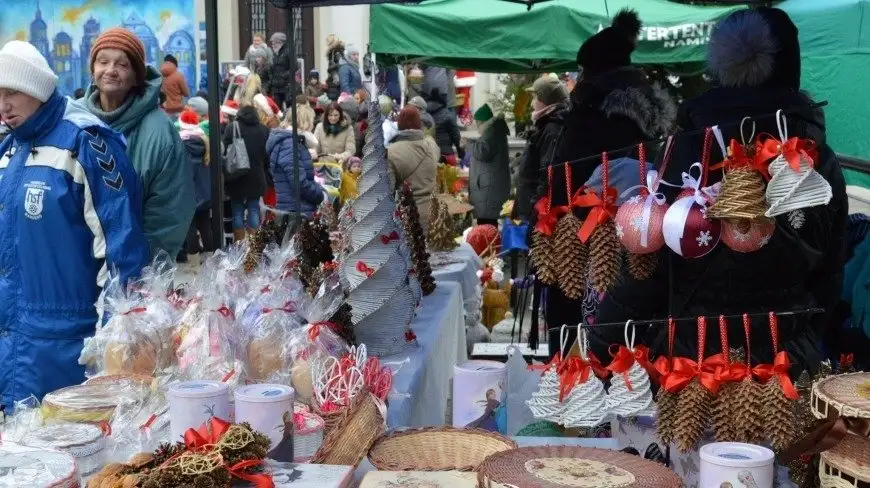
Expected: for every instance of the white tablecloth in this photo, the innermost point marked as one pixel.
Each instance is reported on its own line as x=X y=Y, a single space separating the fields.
x=464 y=273
x=422 y=385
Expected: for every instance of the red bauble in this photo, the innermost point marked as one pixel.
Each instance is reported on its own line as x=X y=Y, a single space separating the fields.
x=687 y=230
x=630 y=225
x=740 y=238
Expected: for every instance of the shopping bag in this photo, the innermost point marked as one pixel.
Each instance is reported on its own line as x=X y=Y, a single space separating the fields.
x=513 y=236
x=521 y=384
x=237 y=162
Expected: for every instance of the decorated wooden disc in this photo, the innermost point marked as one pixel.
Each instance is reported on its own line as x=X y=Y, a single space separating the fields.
x=846 y=394
x=580 y=467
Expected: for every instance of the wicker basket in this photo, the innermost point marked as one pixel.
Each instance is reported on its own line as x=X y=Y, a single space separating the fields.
x=330 y=419
x=845 y=394
x=563 y=467
x=847 y=464
x=357 y=429
x=436 y=449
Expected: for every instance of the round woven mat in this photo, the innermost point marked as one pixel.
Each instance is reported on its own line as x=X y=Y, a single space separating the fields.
x=849 y=394
x=436 y=449
x=851 y=456
x=527 y=466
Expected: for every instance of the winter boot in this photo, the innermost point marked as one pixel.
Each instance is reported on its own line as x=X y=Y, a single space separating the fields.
x=238 y=235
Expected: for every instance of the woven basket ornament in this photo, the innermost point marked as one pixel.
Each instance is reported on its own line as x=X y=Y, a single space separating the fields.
x=742 y=193
x=794 y=183
x=586 y=404
x=630 y=393
x=546 y=403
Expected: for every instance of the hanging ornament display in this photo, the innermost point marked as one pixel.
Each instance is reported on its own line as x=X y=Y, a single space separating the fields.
x=582 y=390
x=697 y=387
x=666 y=401
x=630 y=394
x=779 y=395
x=541 y=252
x=639 y=220
x=605 y=254
x=794 y=183
x=749 y=424
x=546 y=402
x=742 y=194
x=687 y=230
x=570 y=252
x=722 y=417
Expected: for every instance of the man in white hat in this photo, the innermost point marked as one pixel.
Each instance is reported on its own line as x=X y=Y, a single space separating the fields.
x=70 y=210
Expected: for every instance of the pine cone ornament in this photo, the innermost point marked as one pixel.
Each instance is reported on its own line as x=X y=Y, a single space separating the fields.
x=256 y=245
x=571 y=254
x=542 y=255
x=642 y=266
x=749 y=422
x=605 y=258
x=410 y=217
x=666 y=404
x=779 y=415
x=693 y=415
x=723 y=414
x=440 y=237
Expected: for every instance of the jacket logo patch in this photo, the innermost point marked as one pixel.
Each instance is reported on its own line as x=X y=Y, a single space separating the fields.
x=99 y=145
x=33 y=198
x=107 y=165
x=114 y=183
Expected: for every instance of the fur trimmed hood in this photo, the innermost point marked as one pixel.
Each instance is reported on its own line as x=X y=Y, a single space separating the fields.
x=626 y=92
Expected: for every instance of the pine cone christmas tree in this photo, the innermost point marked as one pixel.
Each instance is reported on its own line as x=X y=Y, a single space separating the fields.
x=543 y=258
x=571 y=255
x=749 y=422
x=410 y=216
x=642 y=266
x=666 y=404
x=779 y=415
x=724 y=412
x=693 y=415
x=440 y=236
x=605 y=257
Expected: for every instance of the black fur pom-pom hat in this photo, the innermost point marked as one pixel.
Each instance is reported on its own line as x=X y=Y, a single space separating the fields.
x=612 y=47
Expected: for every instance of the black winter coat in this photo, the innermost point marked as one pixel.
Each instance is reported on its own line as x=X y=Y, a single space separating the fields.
x=447 y=134
x=800 y=267
x=540 y=152
x=282 y=70
x=255 y=134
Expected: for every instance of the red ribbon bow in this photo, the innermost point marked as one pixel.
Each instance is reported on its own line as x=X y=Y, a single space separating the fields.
x=226 y=312
x=288 y=307
x=603 y=208
x=258 y=480
x=314 y=329
x=208 y=434
x=363 y=268
x=574 y=370
x=547 y=217
x=685 y=370
x=135 y=310
x=779 y=370
x=330 y=266
x=393 y=236
x=625 y=358
x=792 y=150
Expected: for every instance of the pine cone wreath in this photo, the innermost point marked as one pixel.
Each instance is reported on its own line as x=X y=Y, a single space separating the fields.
x=693 y=415
x=666 y=404
x=749 y=423
x=642 y=266
x=543 y=258
x=571 y=255
x=779 y=414
x=723 y=414
x=605 y=257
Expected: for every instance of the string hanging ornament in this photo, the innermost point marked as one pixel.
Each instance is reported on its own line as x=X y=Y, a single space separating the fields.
x=687 y=230
x=541 y=252
x=639 y=220
x=779 y=395
x=570 y=252
x=599 y=230
x=582 y=390
x=748 y=397
x=697 y=385
x=630 y=391
x=666 y=401
x=546 y=402
x=794 y=182
x=722 y=418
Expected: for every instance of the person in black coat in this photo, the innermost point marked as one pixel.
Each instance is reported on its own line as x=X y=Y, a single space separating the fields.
x=282 y=70
x=246 y=191
x=754 y=59
x=613 y=106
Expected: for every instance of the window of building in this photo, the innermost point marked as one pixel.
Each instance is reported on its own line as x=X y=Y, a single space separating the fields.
x=258 y=16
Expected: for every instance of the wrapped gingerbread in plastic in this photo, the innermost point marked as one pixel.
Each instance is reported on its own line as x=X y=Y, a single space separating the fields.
x=265 y=327
x=161 y=302
x=126 y=343
x=317 y=338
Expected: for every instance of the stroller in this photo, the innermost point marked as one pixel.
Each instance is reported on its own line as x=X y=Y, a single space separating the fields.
x=328 y=174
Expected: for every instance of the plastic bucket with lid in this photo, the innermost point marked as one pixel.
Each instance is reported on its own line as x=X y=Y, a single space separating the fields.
x=192 y=403
x=736 y=463
x=263 y=406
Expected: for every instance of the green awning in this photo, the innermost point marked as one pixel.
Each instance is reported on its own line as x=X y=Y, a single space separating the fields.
x=505 y=37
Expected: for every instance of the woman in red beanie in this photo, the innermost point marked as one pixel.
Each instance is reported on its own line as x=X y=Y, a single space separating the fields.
x=413 y=159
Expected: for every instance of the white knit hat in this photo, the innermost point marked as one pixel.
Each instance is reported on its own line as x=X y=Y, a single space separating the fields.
x=22 y=68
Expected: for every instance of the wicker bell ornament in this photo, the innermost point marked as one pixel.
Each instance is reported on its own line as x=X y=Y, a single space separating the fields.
x=742 y=194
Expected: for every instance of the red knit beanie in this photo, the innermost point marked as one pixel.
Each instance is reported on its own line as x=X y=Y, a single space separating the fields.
x=188 y=119
x=409 y=118
x=126 y=41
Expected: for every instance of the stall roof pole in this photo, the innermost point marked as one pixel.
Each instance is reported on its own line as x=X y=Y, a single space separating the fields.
x=214 y=116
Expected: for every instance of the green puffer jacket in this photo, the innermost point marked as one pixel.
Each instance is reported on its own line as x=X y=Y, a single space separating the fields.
x=157 y=153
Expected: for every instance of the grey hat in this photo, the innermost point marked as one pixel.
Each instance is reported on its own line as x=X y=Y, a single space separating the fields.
x=549 y=90
x=278 y=37
x=198 y=105
x=351 y=49
x=418 y=102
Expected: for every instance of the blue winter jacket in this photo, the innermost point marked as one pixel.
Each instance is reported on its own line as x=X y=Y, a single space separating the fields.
x=349 y=77
x=280 y=147
x=70 y=210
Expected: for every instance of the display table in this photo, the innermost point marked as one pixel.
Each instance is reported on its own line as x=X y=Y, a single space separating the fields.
x=422 y=385
x=464 y=272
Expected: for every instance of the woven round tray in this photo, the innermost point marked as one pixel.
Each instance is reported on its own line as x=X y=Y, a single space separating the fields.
x=436 y=449
x=563 y=466
x=357 y=429
x=91 y=402
x=847 y=394
x=851 y=457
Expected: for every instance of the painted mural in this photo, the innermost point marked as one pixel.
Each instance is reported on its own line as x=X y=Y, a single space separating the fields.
x=64 y=30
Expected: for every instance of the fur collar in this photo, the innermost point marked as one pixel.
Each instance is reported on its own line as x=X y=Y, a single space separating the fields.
x=626 y=92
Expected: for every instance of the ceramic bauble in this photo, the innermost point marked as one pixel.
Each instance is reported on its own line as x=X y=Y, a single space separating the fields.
x=687 y=230
x=747 y=236
x=639 y=223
